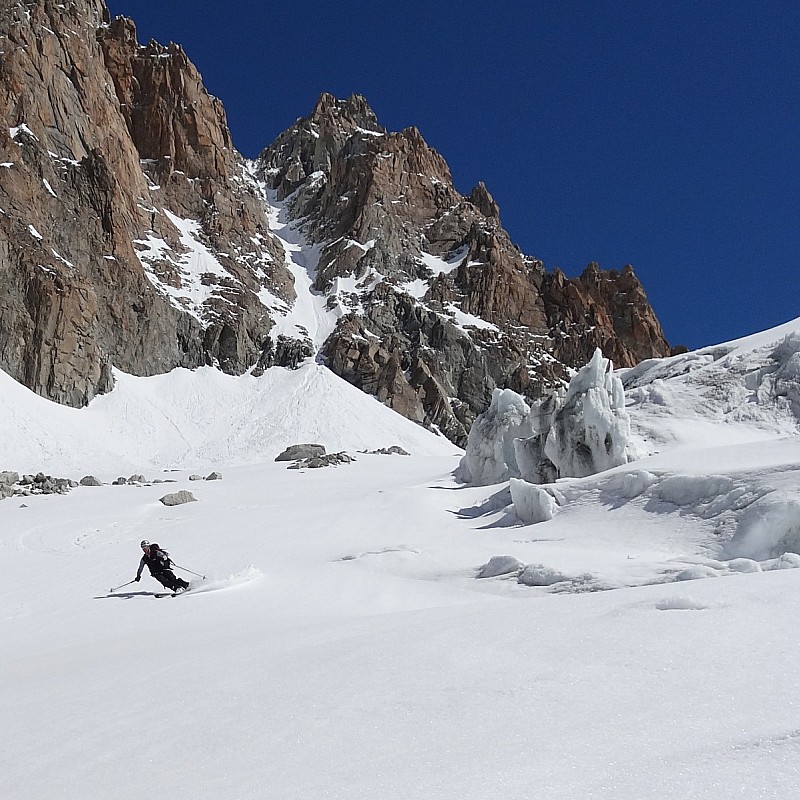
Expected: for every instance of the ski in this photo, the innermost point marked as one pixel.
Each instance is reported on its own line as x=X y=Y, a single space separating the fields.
x=169 y=594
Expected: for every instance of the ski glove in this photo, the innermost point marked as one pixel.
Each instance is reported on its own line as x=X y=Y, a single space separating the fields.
x=138 y=578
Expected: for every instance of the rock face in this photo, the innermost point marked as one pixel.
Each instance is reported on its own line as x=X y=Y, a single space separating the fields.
x=437 y=307
x=608 y=310
x=129 y=233
x=133 y=235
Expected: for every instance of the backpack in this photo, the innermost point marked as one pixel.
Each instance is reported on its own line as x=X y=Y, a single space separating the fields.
x=160 y=556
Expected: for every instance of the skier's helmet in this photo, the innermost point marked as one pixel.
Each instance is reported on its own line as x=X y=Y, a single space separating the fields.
x=144 y=543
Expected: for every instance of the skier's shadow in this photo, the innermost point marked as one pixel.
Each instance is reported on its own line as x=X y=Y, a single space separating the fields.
x=123 y=595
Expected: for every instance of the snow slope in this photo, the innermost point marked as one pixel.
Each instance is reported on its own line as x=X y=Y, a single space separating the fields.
x=342 y=645
x=200 y=419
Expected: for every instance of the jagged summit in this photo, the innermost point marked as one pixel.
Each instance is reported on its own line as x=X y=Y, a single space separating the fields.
x=310 y=145
x=438 y=306
x=484 y=202
x=354 y=110
x=135 y=236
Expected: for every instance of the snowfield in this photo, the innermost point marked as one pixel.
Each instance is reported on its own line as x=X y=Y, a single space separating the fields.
x=199 y=419
x=641 y=643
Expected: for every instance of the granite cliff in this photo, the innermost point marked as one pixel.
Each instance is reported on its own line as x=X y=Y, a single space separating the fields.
x=437 y=305
x=134 y=236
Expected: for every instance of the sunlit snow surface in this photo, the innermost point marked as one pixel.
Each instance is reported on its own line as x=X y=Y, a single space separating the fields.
x=196 y=271
x=342 y=645
x=308 y=317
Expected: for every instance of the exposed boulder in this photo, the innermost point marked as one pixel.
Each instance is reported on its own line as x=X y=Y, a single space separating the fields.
x=329 y=460
x=178 y=498
x=41 y=484
x=297 y=451
x=394 y=450
x=7 y=481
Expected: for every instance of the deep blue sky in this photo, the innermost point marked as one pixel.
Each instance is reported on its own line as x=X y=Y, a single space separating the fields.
x=664 y=135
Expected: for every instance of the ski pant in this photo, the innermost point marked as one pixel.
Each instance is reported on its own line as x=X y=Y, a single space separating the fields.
x=169 y=580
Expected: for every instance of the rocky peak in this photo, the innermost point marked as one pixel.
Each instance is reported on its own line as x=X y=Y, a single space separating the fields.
x=133 y=235
x=172 y=119
x=484 y=202
x=349 y=114
x=383 y=211
x=601 y=309
x=312 y=144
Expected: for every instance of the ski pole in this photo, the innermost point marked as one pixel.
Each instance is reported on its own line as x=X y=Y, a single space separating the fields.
x=114 y=589
x=188 y=570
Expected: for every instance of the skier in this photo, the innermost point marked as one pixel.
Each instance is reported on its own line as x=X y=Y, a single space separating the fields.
x=159 y=563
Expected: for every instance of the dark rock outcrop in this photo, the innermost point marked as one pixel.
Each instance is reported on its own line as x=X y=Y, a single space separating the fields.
x=296 y=452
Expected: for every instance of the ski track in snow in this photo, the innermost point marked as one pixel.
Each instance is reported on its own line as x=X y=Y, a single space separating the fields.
x=212 y=584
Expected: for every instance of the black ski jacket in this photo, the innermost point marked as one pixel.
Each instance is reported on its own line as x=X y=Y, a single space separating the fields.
x=157 y=560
